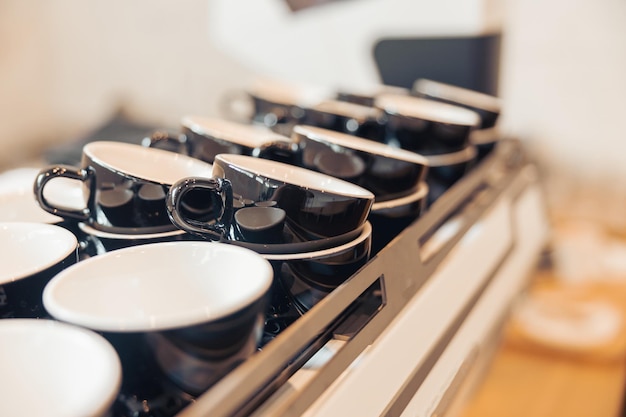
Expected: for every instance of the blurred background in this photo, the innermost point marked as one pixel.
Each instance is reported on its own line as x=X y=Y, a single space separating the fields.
x=68 y=66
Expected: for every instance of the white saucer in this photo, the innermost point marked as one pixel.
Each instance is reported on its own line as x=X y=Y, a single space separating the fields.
x=56 y=370
x=129 y=236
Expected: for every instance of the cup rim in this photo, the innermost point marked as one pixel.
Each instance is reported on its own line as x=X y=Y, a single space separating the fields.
x=309 y=179
x=160 y=158
x=357 y=143
x=458 y=95
x=366 y=232
x=131 y=233
x=204 y=290
x=251 y=136
x=101 y=394
x=61 y=243
x=427 y=109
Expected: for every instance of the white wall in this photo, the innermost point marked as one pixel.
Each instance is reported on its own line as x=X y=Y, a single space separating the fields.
x=66 y=65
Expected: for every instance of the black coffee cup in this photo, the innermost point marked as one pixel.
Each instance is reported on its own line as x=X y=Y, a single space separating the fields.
x=124 y=186
x=316 y=205
x=487 y=107
x=386 y=171
x=204 y=137
x=32 y=254
x=426 y=126
x=350 y=118
x=188 y=312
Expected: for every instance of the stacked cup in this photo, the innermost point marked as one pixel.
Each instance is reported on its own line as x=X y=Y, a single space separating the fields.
x=488 y=107
x=439 y=131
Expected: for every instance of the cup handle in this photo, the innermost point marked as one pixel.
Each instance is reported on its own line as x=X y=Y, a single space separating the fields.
x=220 y=187
x=45 y=175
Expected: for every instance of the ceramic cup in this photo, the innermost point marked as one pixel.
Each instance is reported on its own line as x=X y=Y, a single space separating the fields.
x=124 y=186
x=56 y=370
x=350 y=118
x=316 y=205
x=486 y=136
x=194 y=310
x=276 y=104
x=32 y=254
x=205 y=137
x=387 y=172
x=487 y=107
x=426 y=126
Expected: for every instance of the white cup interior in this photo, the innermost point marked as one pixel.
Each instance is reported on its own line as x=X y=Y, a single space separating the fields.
x=29 y=248
x=158 y=286
x=427 y=109
x=56 y=370
x=294 y=175
x=150 y=164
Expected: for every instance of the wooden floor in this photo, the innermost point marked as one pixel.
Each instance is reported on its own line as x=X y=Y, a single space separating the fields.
x=534 y=378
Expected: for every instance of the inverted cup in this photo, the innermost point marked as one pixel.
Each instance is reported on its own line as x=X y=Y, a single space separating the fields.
x=426 y=126
x=32 y=254
x=386 y=171
x=124 y=186
x=317 y=205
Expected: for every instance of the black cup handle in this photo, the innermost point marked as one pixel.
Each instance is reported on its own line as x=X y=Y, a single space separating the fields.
x=65 y=171
x=220 y=187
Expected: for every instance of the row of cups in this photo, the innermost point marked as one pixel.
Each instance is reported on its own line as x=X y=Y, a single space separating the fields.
x=199 y=249
x=452 y=126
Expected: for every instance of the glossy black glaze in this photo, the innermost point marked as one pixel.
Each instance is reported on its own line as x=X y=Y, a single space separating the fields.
x=350 y=118
x=22 y=298
x=486 y=106
x=387 y=222
x=117 y=202
x=353 y=159
x=164 y=371
x=206 y=137
x=426 y=137
x=312 y=213
x=445 y=170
